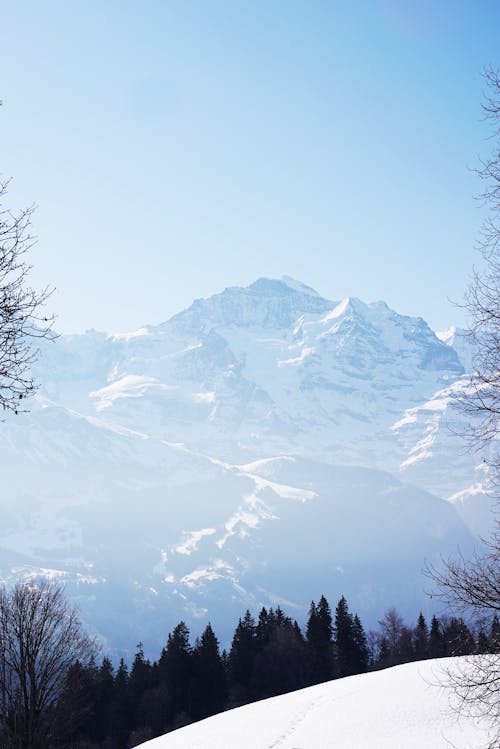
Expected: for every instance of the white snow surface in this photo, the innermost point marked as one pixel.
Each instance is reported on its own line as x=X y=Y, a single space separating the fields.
x=404 y=707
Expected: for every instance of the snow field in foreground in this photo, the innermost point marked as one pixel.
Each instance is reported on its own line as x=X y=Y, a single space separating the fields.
x=403 y=707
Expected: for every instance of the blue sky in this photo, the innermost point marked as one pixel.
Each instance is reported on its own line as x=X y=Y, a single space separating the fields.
x=175 y=148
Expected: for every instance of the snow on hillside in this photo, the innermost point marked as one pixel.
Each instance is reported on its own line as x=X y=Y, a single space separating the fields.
x=399 y=708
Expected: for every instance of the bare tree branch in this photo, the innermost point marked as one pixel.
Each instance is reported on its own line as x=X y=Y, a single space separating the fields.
x=473 y=585
x=41 y=637
x=22 y=321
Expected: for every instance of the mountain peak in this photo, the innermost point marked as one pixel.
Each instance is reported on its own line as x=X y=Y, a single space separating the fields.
x=299 y=286
x=285 y=284
x=267 y=302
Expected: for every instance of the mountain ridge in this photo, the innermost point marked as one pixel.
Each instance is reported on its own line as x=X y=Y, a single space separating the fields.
x=244 y=448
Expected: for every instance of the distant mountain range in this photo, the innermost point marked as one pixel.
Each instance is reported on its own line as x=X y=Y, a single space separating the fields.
x=263 y=446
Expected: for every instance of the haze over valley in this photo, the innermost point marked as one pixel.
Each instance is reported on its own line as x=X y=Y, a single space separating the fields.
x=262 y=446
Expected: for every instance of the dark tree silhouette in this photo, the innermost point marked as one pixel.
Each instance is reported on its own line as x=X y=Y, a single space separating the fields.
x=140 y=692
x=391 y=627
x=351 y=649
x=241 y=659
x=319 y=632
x=22 y=321
x=209 y=676
x=361 y=657
x=41 y=638
x=421 y=637
x=175 y=675
x=436 y=639
x=344 y=640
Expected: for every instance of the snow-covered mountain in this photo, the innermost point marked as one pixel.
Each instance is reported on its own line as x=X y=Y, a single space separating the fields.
x=404 y=706
x=265 y=445
x=273 y=363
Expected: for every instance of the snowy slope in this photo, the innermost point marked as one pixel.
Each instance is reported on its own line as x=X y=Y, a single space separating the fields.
x=403 y=707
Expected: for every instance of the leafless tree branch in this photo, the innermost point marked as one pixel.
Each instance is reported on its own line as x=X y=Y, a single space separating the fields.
x=41 y=637
x=22 y=321
x=473 y=585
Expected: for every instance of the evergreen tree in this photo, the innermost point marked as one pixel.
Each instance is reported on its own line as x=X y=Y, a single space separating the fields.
x=360 y=647
x=311 y=627
x=280 y=663
x=319 y=642
x=344 y=640
x=241 y=659
x=421 y=639
x=209 y=677
x=140 y=687
x=482 y=640
x=325 y=618
x=406 y=650
x=104 y=699
x=458 y=638
x=263 y=628
x=351 y=649
x=121 y=708
x=175 y=672
x=78 y=701
x=436 y=639
x=384 y=655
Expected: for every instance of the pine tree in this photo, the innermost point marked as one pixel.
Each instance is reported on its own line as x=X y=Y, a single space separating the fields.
x=360 y=647
x=406 y=650
x=384 y=654
x=482 y=640
x=140 y=685
x=421 y=639
x=175 y=671
x=78 y=701
x=319 y=642
x=325 y=618
x=436 y=639
x=458 y=638
x=121 y=708
x=241 y=659
x=280 y=662
x=263 y=628
x=104 y=699
x=209 y=676
x=344 y=639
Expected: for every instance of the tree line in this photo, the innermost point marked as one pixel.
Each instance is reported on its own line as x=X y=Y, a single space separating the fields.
x=269 y=655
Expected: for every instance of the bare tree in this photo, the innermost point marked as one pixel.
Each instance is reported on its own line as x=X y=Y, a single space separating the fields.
x=473 y=585
x=41 y=637
x=21 y=319
x=391 y=627
x=481 y=399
